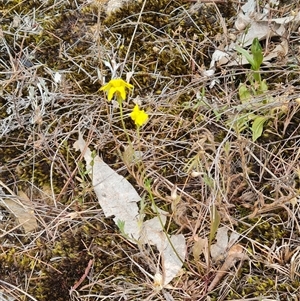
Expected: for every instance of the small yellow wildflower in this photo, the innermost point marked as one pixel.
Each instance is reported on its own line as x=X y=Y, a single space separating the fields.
x=139 y=116
x=116 y=86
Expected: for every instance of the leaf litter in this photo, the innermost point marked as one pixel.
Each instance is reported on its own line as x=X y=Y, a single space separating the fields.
x=252 y=24
x=225 y=249
x=20 y=206
x=118 y=198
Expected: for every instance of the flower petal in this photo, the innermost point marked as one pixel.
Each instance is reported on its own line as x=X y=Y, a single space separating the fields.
x=111 y=93
x=105 y=87
x=122 y=92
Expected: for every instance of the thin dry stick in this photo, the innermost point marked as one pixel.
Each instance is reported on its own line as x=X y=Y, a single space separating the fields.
x=86 y=271
x=18 y=289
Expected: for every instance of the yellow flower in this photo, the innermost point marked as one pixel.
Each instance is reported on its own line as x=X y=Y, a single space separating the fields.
x=139 y=116
x=116 y=86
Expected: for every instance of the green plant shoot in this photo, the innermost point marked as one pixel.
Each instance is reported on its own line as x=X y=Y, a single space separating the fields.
x=258 y=126
x=214 y=223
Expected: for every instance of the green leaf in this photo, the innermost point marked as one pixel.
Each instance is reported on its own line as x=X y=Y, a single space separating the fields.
x=258 y=126
x=214 y=222
x=239 y=123
x=246 y=54
x=257 y=54
x=208 y=180
x=244 y=93
x=263 y=87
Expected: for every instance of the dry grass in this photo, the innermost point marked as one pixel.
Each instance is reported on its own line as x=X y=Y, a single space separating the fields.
x=188 y=147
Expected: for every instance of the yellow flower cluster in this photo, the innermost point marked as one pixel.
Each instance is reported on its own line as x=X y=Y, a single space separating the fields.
x=118 y=87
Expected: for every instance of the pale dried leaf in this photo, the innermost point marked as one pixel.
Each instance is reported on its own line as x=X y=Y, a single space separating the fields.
x=152 y=232
x=249 y=7
x=172 y=261
x=224 y=242
x=234 y=236
x=117 y=197
x=261 y=30
x=218 y=249
x=265 y=28
x=200 y=247
x=236 y=253
x=293 y=19
x=280 y=50
x=22 y=208
x=172 y=250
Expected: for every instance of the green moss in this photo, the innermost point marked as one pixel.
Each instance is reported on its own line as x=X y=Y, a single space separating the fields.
x=167 y=33
x=61 y=263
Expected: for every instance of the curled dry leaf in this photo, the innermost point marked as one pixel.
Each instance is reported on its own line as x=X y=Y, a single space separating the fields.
x=236 y=253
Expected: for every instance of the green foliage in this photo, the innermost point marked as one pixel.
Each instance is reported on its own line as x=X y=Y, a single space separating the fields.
x=214 y=223
x=258 y=126
x=253 y=89
x=121 y=226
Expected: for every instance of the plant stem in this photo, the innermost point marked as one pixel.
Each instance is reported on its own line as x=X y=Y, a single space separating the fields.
x=122 y=119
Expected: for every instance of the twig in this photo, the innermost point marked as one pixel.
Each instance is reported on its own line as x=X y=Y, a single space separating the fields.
x=86 y=271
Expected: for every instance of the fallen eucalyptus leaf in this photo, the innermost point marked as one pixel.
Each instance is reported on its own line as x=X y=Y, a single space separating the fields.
x=236 y=253
x=173 y=257
x=117 y=197
x=218 y=250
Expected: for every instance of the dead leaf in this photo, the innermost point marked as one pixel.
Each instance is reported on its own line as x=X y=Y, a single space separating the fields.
x=261 y=30
x=218 y=251
x=200 y=247
x=22 y=208
x=281 y=50
x=152 y=232
x=173 y=257
x=236 y=253
x=252 y=24
x=172 y=248
x=117 y=197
